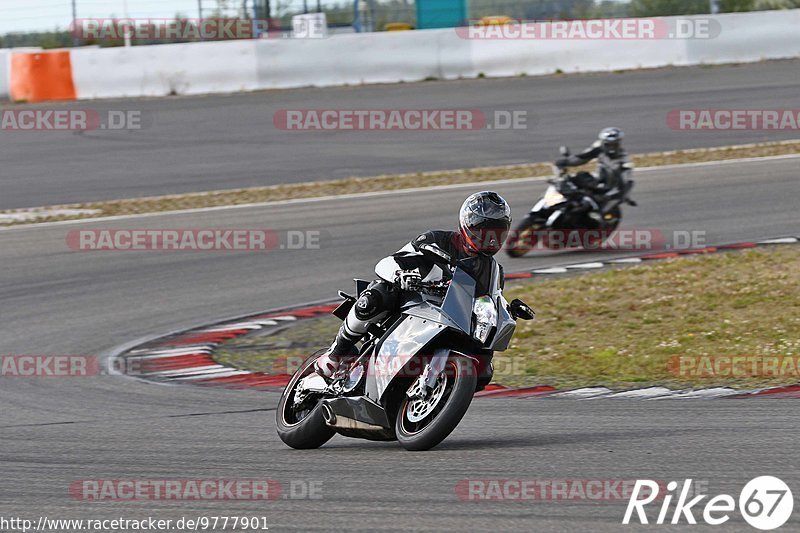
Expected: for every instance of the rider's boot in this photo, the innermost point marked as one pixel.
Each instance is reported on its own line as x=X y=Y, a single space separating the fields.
x=344 y=346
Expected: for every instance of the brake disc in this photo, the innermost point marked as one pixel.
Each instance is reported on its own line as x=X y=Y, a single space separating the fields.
x=420 y=407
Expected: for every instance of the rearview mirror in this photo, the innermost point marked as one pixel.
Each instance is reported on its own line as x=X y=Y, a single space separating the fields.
x=521 y=310
x=564 y=151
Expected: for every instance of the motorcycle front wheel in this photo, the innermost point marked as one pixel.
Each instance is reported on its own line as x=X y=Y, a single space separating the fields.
x=523 y=239
x=304 y=428
x=610 y=224
x=421 y=423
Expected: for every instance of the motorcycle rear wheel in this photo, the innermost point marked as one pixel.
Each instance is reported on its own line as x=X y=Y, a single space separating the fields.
x=459 y=382
x=307 y=429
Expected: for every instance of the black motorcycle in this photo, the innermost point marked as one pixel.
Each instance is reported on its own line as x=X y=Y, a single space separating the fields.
x=416 y=372
x=571 y=213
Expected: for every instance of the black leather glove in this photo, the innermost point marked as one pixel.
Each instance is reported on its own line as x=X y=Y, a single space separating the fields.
x=562 y=163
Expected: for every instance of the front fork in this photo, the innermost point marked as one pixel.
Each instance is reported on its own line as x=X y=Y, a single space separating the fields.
x=426 y=382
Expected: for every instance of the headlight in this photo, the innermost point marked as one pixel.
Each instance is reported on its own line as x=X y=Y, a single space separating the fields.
x=485 y=317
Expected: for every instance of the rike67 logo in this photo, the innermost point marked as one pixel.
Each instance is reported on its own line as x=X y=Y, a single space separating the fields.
x=765 y=503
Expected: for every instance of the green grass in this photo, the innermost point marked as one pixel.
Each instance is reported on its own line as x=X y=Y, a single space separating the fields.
x=628 y=326
x=282 y=351
x=620 y=328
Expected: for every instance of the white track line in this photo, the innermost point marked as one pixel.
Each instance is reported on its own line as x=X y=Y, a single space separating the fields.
x=188 y=371
x=715 y=392
x=470 y=185
x=587 y=266
x=553 y=270
x=625 y=260
x=643 y=394
x=252 y=324
x=213 y=375
x=650 y=393
x=150 y=357
x=183 y=350
x=587 y=392
x=782 y=240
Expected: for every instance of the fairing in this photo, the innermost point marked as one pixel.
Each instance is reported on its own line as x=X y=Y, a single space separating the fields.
x=422 y=323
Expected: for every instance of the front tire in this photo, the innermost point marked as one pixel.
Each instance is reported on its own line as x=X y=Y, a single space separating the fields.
x=523 y=238
x=459 y=383
x=611 y=222
x=306 y=429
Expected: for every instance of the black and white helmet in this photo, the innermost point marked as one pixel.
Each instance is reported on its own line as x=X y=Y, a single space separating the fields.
x=484 y=221
x=611 y=141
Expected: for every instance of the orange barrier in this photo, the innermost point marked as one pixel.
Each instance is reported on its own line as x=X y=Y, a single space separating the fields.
x=398 y=26
x=495 y=20
x=40 y=76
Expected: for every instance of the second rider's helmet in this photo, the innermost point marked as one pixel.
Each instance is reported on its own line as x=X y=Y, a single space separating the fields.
x=611 y=141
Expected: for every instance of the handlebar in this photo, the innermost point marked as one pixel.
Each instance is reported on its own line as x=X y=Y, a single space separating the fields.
x=435 y=288
x=558 y=171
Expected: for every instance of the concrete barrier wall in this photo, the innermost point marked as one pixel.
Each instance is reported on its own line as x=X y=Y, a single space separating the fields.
x=534 y=58
x=743 y=37
x=388 y=57
x=5 y=72
x=193 y=68
x=385 y=57
x=747 y=37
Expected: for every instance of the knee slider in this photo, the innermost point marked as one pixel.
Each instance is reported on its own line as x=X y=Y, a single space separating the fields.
x=378 y=298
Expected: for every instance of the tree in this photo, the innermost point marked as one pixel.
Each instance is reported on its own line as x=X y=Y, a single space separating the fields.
x=609 y=9
x=776 y=4
x=733 y=6
x=665 y=8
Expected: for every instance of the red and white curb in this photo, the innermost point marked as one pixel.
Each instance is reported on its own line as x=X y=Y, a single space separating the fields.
x=564 y=269
x=186 y=357
x=650 y=393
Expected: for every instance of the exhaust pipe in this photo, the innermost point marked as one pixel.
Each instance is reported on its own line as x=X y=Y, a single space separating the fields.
x=328 y=415
x=343 y=419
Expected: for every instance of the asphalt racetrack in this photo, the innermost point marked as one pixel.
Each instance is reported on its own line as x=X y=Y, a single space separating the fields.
x=54 y=432
x=230 y=141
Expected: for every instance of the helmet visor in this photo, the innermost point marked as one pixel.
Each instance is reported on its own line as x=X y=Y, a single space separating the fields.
x=485 y=236
x=612 y=147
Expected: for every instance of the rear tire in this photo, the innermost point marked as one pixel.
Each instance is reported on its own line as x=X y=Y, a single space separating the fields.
x=308 y=431
x=461 y=381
